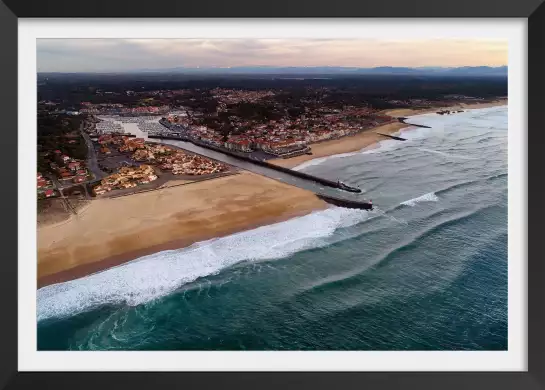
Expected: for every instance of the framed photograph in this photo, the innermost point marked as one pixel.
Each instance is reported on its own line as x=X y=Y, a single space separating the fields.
x=285 y=197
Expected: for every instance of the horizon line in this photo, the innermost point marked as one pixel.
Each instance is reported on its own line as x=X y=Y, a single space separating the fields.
x=283 y=66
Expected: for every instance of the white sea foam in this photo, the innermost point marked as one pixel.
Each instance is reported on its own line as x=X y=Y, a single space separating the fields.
x=468 y=116
x=416 y=133
x=318 y=161
x=409 y=133
x=159 y=274
x=380 y=147
x=429 y=197
x=450 y=155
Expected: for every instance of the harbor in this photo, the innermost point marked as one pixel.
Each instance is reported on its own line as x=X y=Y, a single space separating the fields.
x=325 y=189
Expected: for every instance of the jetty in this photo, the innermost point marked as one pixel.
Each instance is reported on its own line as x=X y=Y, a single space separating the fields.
x=403 y=120
x=351 y=204
x=392 y=137
x=255 y=161
x=448 y=112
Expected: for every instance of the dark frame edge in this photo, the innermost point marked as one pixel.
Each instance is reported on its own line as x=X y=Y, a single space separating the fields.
x=534 y=379
x=536 y=192
x=275 y=380
x=8 y=206
x=278 y=9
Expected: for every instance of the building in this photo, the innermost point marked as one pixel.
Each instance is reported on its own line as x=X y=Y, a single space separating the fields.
x=74 y=165
x=42 y=182
x=239 y=145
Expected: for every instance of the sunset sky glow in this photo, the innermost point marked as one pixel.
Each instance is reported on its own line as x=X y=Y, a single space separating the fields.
x=98 y=55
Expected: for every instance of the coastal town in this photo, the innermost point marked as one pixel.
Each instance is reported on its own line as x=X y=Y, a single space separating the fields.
x=285 y=137
x=122 y=161
x=244 y=121
x=61 y=156
x=144 y=162
x=114 y=140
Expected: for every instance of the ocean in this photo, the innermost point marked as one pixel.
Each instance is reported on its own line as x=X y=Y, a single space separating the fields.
x=425 y=270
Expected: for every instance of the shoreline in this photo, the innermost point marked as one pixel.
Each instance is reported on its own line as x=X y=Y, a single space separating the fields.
x=348 y=144
x=368 y=138
x=155 y=221
x=87 y=269
x=401 y=112
x=118 y=230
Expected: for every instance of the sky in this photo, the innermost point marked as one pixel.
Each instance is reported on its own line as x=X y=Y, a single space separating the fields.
x=104 y=55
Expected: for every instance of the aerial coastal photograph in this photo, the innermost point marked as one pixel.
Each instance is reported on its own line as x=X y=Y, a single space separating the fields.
x=272 y=194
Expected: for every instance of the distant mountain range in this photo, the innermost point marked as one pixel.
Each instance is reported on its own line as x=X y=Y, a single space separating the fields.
x=308 y=70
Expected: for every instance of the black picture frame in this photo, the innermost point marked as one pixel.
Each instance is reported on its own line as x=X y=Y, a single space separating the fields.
x=533 y=10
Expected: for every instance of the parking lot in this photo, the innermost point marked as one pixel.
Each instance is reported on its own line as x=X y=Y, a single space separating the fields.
x=110 y=163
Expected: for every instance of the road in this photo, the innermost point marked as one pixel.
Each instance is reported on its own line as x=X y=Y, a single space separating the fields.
x=92 y=165
x=92 y=162
x=59 y=189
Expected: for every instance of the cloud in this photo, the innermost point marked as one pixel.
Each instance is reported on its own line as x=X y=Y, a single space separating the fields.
x=84 y=55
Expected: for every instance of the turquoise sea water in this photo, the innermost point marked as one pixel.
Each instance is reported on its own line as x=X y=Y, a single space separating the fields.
x=425 y=270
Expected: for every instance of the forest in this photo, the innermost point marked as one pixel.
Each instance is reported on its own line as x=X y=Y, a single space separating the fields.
x=59 y=132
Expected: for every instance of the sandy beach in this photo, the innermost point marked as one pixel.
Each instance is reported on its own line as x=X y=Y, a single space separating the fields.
x=462 y=106
x=369 y=137
x=343 y=145
x=109 y=232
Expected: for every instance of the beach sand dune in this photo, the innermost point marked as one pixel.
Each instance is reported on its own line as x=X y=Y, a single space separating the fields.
x=112 y=231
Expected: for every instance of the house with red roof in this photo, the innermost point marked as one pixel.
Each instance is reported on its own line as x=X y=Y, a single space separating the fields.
x=73 y=165
x=42 y=182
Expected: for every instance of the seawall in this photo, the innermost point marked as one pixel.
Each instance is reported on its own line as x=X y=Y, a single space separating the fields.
x=301 y=175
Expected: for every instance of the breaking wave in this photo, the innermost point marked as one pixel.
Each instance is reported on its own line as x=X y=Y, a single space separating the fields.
x=367 y=273
x=157 y=275
x=447 y=154
x=380 y=147
x=317 y=161
x=429 y=197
